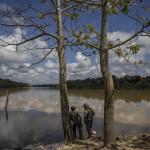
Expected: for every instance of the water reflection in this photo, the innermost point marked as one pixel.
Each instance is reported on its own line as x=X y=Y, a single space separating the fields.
x=34 y=115
x=25 y=127
x=126 y=95
x=4 y=91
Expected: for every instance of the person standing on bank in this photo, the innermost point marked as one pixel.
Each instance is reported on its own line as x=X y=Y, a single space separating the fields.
x=76 y=122
x=88 y=118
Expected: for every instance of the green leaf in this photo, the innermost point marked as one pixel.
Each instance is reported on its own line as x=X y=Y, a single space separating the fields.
x=134 y=49
x=40 y=15
x=74 y=16
x=86 y=37
x=125 y=9
x=90 y=28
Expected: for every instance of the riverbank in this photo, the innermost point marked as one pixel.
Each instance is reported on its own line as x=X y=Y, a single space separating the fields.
x=140 y=142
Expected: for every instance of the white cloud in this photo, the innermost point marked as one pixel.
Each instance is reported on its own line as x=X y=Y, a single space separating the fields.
x=51 y=65
x=12 y=57
x=39 y=69
x=4 y=8
x=82 y=66
x=8 y=54
x=119 y=66
x=3 y=68
x=82 y=60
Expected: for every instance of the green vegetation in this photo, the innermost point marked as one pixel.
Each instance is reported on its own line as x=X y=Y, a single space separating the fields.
x=126 y=82
x=8 y=83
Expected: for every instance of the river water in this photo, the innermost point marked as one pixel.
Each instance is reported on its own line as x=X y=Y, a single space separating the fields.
x=33 y=114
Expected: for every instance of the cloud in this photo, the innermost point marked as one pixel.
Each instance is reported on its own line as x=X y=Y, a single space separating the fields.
x=12 y=57
x=8 y=54
x=52 y=63
x=83 y=61
x=82 y=67
x=119 y=66
x=4 y=8
x=39 y=69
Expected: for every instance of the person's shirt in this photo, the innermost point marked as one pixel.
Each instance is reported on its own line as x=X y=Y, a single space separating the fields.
x=88 y=114
x=75 y=117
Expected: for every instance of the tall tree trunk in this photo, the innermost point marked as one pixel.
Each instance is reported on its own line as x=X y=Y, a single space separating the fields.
x=62 y=78
x=108 y=80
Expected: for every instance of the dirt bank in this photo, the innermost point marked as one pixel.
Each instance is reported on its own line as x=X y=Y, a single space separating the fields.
x=140 y=142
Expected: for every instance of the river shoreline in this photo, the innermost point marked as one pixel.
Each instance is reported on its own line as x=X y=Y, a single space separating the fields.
x=139 y=142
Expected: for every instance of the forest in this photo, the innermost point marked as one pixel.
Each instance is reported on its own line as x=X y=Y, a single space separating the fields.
x=9 y=83
x=126 y=83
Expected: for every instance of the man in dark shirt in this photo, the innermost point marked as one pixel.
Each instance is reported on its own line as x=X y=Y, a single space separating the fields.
x=88 y=118
x=76 y=122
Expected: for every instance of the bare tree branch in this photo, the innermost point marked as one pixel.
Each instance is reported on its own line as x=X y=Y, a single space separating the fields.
x=20 y=43
x=41 y=60
x=130 y=38
x=31 y=25
x=77 y=3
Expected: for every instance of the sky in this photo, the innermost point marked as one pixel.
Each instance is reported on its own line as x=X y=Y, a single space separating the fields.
x=79 y=65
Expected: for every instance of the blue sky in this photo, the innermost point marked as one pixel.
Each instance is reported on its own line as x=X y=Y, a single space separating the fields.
x=79 y=65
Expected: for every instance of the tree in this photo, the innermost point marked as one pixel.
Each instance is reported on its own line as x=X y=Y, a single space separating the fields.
x=36 y=21
x=108 y=80
x=100 y=43
x=62 y=77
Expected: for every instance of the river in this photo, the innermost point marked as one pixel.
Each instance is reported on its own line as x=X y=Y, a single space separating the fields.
x=33 y=114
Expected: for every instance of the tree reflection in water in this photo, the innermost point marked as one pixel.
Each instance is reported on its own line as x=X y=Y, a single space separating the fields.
x=6 y=105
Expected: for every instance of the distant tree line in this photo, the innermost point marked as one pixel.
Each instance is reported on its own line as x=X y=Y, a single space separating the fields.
x=51 y=86
x=8 y=83
x=126 y=82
